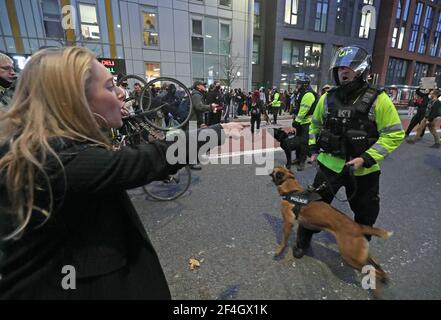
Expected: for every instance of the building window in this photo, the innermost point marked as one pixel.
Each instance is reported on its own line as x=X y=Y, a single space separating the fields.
x=300 y=58
x=425 y=34
x=225 y=3
x=152 y=70
x=211 y=69
x=225 y=38
x=313 y=54
x=436 y=37
x=52 y=19
x=291 y=12
x=197 y=64
x=197 y=38
x=345 y=10
x=211 y=47
x=400 y=13
x=421 y=71
x=256 y=14
x=301 y=54
x=211 y=35
x=396 y=72
x=398 y=37
x=321 y=17
x=415 y=26
x=256 y=50
x=399 y=10
x=150 y=29
x=400 y=23
x=366 y=21
x=89 y=22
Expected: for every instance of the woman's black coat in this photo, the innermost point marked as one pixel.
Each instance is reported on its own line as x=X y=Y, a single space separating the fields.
x=94 y=229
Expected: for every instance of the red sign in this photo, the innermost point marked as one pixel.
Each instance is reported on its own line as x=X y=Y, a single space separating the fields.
x=115 y=66
x=108 y=63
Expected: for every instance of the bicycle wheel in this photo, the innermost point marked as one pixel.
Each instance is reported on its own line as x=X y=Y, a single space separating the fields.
x=171 y=188
x=171 y=108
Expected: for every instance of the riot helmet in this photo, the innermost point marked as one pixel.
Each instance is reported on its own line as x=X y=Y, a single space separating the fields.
x=303 y=82
x=355 y=58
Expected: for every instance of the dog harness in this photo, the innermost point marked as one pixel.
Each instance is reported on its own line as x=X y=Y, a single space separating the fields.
x=301 y=199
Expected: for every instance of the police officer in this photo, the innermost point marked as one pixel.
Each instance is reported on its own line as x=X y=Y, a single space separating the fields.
x=354 y=125
x=7 y=81
x=305 y=103
x=276 y=104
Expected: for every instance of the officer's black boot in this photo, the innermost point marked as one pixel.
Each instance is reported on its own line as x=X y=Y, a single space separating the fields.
x=303 y=242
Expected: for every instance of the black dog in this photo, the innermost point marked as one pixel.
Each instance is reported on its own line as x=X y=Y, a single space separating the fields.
x=289 y=142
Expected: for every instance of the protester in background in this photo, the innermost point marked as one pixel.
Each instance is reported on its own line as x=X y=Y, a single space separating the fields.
x=214 y=97
x=432 y=113
x=7 y=79
x=420 y=102
x=240 y=99
x=256 y=110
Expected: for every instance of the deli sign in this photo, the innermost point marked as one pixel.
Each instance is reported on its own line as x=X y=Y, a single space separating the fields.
x=115 y=66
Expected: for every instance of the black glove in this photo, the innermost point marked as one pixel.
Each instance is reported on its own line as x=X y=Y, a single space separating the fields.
x=368 y=160
x=296 y=125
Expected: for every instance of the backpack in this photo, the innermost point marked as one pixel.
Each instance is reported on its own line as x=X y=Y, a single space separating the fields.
x=255 y=110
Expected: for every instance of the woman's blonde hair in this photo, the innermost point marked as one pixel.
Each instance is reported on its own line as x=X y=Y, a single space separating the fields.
x=50 y=102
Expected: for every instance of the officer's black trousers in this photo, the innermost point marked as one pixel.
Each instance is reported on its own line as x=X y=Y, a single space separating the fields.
x=303 y=135
x=275 y=111
x=365 y=204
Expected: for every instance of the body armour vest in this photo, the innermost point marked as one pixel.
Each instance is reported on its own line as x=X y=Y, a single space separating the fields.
x=349 y=129
x=298 y=102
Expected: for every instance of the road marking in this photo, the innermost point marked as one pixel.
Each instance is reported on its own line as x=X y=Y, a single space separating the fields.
x=244 y=153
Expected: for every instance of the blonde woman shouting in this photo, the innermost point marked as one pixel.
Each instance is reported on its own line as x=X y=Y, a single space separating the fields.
x=63 y=204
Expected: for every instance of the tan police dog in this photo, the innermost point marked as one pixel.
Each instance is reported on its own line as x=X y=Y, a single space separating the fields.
x=350 y=236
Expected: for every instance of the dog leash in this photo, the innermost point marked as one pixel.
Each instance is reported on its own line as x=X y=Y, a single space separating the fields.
x=327 y=183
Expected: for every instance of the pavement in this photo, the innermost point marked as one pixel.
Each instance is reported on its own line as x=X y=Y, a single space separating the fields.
x=230 y=221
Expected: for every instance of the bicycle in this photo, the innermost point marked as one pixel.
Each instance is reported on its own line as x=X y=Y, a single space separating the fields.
x=153 y=121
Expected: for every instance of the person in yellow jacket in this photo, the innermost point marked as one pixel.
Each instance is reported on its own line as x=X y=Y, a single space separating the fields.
x=305 y=104
x=276 y=104
x=354 y=125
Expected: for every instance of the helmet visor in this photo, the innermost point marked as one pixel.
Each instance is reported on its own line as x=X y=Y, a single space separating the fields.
x=354 y=58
